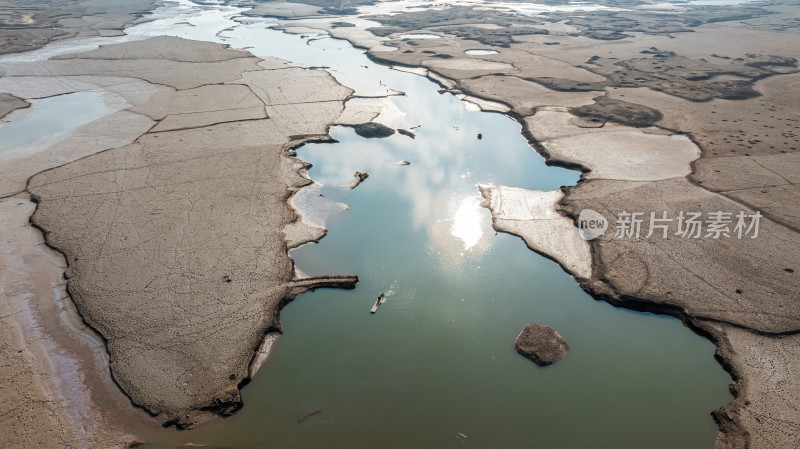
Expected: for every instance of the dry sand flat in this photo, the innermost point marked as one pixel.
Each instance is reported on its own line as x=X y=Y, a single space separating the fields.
x=743 y=127
x=175 y=238
x=626 y=154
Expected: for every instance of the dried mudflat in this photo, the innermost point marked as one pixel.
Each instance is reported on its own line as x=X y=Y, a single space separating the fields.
x=172 y=222
x=694 y=109
x=32 y=24
x=56 y=392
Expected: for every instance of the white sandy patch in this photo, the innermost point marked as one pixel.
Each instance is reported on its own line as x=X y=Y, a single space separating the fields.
x=627 y=155
x=479 y=104
x=531 y=214
x=421 y=71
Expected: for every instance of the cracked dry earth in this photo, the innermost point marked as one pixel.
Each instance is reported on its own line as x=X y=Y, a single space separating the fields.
x=171 y=212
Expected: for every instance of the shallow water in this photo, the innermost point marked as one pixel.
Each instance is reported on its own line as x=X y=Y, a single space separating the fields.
x=480 y=52
x=419 y=36
x=48 y=121
x=435 y=367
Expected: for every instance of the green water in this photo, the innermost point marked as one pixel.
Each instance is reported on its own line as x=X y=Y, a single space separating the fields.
x=435 y=367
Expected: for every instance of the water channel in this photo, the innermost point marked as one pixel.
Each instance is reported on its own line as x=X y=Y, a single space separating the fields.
x=435 y=367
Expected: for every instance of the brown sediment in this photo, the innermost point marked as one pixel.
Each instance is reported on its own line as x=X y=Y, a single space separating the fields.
x=541 y=344
x=174 y=242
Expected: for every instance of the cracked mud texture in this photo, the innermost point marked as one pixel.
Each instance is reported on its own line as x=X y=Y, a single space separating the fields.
x=766 y=389
x=541 y=344
x=730 y=280
x=29 y=25
x=175 y=244
x=43 y=340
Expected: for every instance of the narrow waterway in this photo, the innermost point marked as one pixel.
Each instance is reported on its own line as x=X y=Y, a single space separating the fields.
x=435 y=367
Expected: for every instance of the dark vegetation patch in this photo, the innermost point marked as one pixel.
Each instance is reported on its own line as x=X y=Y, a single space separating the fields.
x=626 y=113
x=692 y=79
x=567 y=85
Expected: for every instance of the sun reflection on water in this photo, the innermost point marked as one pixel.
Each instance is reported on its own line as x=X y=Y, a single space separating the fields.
x=467 y=221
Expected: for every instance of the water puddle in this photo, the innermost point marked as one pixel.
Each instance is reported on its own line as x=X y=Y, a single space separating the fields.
x=480 y=52
x=48 y=121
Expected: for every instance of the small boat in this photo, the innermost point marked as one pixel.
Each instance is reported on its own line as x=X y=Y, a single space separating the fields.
x=377 y=303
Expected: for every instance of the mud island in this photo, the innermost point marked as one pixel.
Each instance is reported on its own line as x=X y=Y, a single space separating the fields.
x=145 y=252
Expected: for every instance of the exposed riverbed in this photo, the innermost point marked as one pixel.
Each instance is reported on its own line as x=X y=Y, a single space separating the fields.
x=435 y=367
